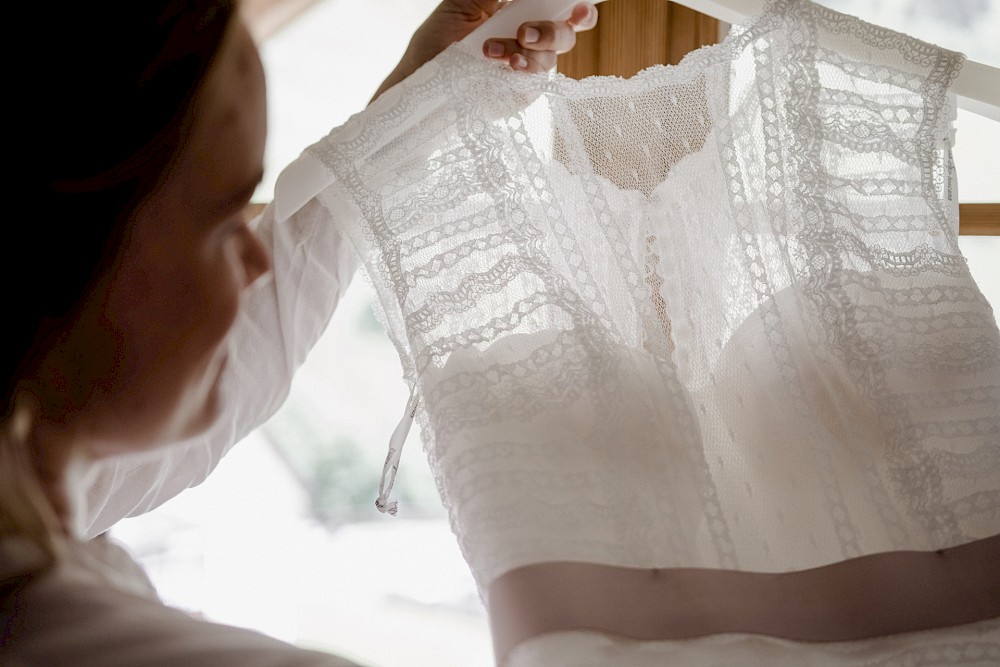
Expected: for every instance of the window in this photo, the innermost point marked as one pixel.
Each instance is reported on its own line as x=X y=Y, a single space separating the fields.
x=284 y=536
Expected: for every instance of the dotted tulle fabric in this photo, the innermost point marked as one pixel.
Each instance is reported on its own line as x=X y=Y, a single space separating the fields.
x=714 y=315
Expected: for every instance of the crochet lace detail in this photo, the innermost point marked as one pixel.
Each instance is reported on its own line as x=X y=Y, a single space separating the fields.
x=714 y=315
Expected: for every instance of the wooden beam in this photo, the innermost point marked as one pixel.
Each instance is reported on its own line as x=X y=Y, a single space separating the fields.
x=979 y=220
x=631 y=36
x=974 y=219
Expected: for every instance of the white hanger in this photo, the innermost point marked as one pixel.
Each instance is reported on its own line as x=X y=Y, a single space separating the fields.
x=977 y=85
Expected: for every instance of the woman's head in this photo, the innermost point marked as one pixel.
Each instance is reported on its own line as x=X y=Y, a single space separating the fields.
x=147 y=140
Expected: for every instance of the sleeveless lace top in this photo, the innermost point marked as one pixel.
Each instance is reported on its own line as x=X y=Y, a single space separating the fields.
x=714 y=315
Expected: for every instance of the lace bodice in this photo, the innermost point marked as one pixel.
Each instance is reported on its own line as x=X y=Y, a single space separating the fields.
x=714 y=315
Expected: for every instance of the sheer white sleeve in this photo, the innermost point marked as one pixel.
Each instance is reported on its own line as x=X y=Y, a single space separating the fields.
x=281 y=319
x=715 y=315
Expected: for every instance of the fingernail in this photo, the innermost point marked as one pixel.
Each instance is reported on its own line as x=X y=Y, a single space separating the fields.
x=495 y=49
x=531 y=35
x=520 y=62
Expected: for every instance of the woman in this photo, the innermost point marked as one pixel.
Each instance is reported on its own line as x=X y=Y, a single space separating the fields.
x=148 y=143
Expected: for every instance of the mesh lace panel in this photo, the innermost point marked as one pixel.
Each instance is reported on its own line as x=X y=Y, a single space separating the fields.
x=714 y=315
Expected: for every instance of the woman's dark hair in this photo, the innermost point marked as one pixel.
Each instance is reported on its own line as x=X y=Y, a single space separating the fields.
x=102 y=106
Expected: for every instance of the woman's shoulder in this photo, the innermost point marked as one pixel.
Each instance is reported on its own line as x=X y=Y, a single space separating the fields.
x=95 y=606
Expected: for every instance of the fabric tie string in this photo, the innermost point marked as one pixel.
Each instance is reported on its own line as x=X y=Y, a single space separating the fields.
x=396 y=441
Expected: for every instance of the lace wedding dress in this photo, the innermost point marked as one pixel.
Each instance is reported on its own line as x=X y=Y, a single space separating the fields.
x=711 y=316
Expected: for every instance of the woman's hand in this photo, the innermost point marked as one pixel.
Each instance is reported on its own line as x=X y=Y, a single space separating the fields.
x=537 y=43
x=534 y=49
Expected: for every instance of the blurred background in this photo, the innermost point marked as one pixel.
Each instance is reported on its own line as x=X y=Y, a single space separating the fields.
x=284 y=536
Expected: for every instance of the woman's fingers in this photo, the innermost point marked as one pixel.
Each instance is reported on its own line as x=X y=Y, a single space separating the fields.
x=533 y=61
x=538 y=42
x=547 y=36
x=583 y=16
x=519 y=57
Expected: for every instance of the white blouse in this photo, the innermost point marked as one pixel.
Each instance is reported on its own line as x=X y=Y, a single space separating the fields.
x=96 y=607
x=281 y=318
